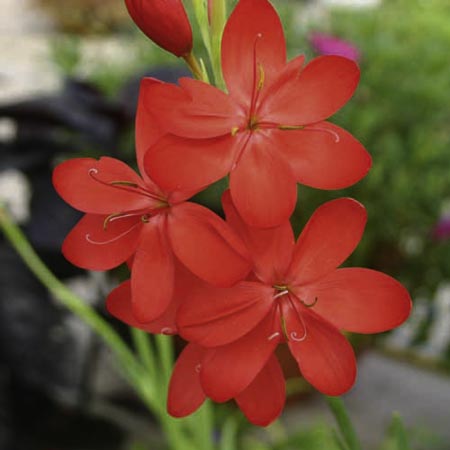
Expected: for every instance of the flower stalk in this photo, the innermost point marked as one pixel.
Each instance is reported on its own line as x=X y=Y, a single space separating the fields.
x=346 y=429
x=148 y=373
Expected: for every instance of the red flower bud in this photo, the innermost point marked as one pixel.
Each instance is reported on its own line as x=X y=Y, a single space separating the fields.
x=165 y=22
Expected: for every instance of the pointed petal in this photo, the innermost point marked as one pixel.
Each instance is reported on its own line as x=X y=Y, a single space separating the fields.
x=328 y=239
x=323 y=87
x=271 y=248
x=193 y=110
x=323 y=155
x=147 y=129
x=185 y=392
x=325 y=357
x=229 y=369
x=85 y=184
x=289 y=74
x=262 y=184
x=211 y=112
x=90 y=246
x=205 y=244
x=176 y=163
x=253 y=25
x=152 y=274
x=163 y=102
x=213 y=316
x=263 y=400
x=360 y=300
x=119 y=305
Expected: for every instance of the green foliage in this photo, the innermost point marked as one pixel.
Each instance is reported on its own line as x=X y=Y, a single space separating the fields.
x=400 y=112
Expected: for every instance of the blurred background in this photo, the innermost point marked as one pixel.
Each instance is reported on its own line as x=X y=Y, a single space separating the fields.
x=69 y=79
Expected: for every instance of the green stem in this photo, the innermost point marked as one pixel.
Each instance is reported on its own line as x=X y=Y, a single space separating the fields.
x=152 y=394
x=72 y=302
x=195 y=67
x=143 y=346
x=164 y=344
x=345 y=425
x=218 y=20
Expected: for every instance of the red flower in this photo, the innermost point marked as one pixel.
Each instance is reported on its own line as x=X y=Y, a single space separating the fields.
x=119 y=304
x=129 y=216
x=268 y=132
x=261 y=401
x=296 y=295
x=165 y=22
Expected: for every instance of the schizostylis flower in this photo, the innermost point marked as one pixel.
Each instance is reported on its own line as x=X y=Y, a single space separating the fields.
x=261 y=401
x=129 y=216
x=296 y=295
x=268 y=132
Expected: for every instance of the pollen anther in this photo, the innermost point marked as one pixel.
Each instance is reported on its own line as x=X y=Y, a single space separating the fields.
x=261 y=77
x=309 y=305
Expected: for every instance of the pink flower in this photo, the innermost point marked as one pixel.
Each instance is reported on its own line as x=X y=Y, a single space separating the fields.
x=325 y=44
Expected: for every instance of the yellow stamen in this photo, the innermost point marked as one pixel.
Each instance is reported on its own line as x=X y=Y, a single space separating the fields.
x=261 y=77
x=234 y=131
x=290 y=127
x=123 y=183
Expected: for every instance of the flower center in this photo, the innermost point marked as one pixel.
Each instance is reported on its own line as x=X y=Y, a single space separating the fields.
x=289 y=307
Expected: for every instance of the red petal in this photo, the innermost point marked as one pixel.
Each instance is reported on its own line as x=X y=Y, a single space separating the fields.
x=152 y=274
x=147 y=129
x=262 y=185
x=176 y=163
x=254 y=24
x=360 y=300
x=90 y=246
x=213 y=316
x=119 y=305
x=164 y=22
x=263 y=401
x=211 y=112
x=322 y=88
x=229 y=369
x=289 y=74
x=325 y=357
x=163 y=101
x=329 y=237
x=84 y=183
x=195 y=110
x=271 y=249
x=205 y=244
x=185 y=392
x=323 y=155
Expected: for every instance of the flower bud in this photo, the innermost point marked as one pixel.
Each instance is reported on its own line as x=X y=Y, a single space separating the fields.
x=165 y=22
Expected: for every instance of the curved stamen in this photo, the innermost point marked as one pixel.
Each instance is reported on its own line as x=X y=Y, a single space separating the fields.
x=273 y=336
x=117 y=216
x=293 y=334
x=114 y=239
x=127 y=186
x=258 y=77
x=326 y=130
x=309 y=305
x=280 y=294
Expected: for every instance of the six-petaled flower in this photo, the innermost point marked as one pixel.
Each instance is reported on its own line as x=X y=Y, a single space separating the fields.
x=128 y=216
x=297 y=295
x=189 y=268
x=268 y=132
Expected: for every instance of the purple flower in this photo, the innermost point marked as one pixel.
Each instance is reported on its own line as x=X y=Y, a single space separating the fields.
x=441 y=231
x=324 y=44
